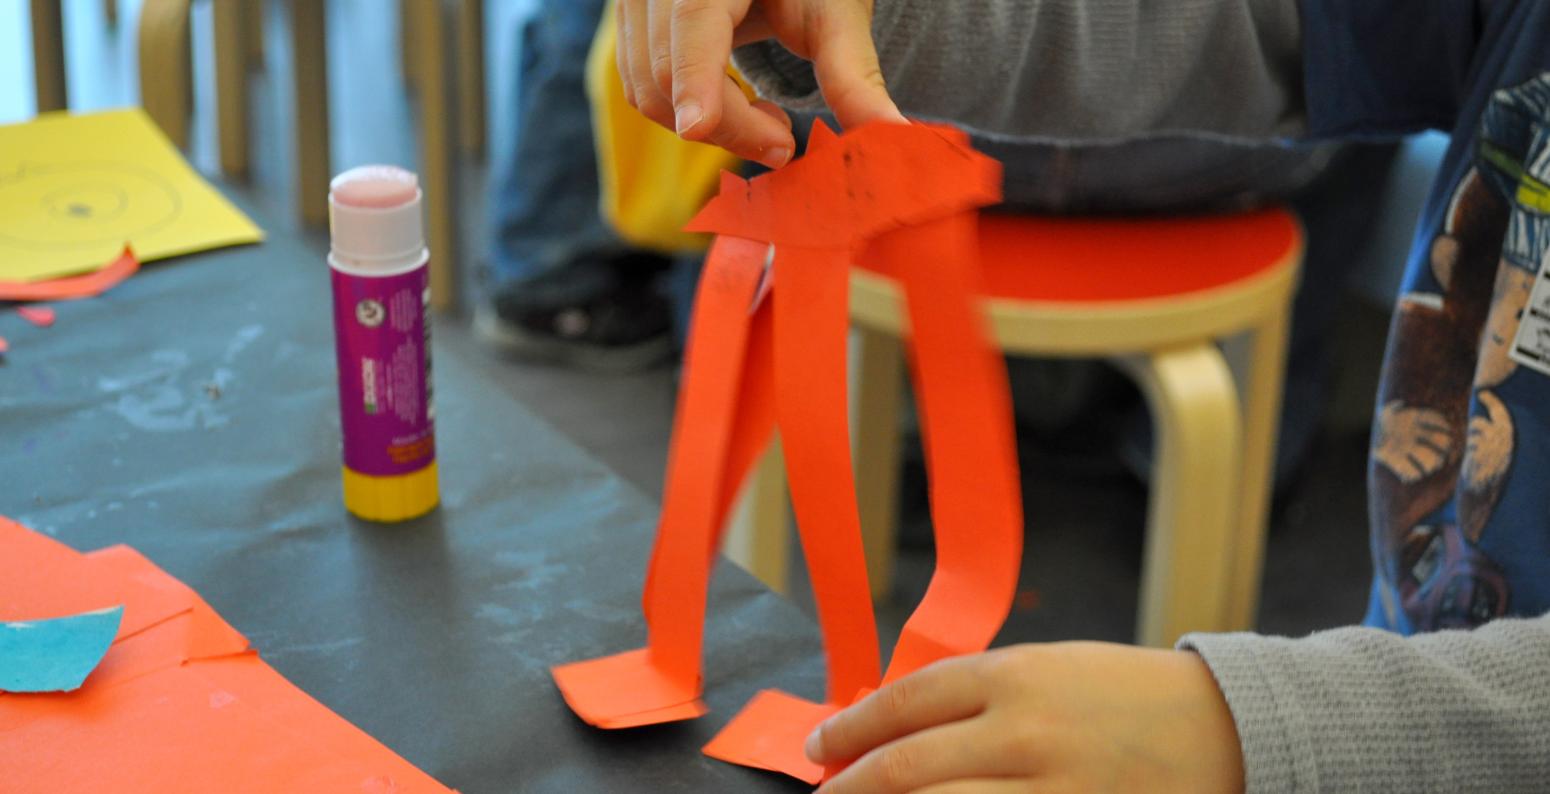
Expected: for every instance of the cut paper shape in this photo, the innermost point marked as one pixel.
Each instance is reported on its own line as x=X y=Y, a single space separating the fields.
x=770 y=734
x=904 y=198
x=74 y=287
x=41 y=316
x=55 y=655
x=179 y=701
x=665 y=677
x=75 y=189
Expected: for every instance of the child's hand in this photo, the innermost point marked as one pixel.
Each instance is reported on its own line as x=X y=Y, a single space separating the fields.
x=673 y=56
x=1062 y=717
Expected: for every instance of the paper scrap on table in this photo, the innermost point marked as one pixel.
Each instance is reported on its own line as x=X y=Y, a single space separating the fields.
x=86 y=285
x=57 y=654
x=75 y=189
x=41 y=316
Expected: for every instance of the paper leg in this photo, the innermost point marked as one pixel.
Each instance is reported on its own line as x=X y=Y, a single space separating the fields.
x=662 y=681
x=811 y=321
x=810 y=330
x=754 y=427
x=976 y=498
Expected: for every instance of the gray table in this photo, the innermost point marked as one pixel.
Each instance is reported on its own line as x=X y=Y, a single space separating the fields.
x=191 y=414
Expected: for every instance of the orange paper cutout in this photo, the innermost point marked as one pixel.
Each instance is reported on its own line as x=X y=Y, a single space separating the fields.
x=811 y=290
x=910 y=193
x=73 y=287
x=769 y=734
x=970 y=443
x=665 y=677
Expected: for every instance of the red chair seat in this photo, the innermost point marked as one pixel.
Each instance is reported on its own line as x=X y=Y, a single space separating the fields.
x=1090 y=259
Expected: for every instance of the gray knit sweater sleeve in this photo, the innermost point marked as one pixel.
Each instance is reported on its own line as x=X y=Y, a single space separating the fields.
x=1361 y=709
x=1075 y=69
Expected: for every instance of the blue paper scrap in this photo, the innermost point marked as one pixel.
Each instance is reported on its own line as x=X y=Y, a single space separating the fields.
x=55 y=655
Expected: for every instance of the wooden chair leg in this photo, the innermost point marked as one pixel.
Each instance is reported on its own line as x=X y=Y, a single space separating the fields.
x=438 y=137
x=310 y=64
x=231 y=86
x=48 y=55
x=470 y=70
x=759 y=538
x=1261 y=419
x=877 y=384
x=166 y=77
x=1185 y=579
x=253 y=32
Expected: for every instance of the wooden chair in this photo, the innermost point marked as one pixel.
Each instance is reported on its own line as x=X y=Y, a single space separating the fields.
x=1153 y=295
x=48 y=55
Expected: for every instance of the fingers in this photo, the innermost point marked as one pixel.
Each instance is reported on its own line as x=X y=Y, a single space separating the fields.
x=708 y=105
x=700 y=43
x=934 y=756
x=845 y=61
x=659 y=43
x=985 y=786
x=753 y=131
x=944 y=692
x=635 y=62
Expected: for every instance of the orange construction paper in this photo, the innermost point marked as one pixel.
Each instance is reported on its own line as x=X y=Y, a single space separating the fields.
x=770 y=732
x=665 y=677
x=41 y=578
x=970 y=445
x=73 y=287
x=179 y=703
x=811 y=323
x=207 y=634
x=230 y=725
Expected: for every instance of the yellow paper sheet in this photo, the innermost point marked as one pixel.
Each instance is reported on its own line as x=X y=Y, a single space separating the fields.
x=74 y=189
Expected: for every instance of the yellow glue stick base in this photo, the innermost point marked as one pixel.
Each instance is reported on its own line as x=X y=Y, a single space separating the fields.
x=393 y=498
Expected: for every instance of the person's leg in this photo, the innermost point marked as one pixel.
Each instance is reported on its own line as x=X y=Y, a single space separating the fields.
x=544 y=192
x=563 y=287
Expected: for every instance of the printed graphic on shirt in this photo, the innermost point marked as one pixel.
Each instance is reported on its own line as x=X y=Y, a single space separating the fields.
x=1445 y=437
x=1422 y=437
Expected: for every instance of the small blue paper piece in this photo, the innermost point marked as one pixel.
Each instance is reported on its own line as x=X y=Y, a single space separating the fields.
x=55 y=655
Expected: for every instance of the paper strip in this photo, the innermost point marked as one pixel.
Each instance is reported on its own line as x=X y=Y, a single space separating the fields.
x=971 y=456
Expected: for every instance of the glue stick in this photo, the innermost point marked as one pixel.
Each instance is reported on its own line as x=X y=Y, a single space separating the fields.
x=387 y=409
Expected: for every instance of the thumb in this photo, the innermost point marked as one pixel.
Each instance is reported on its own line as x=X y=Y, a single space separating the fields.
x=845 y=60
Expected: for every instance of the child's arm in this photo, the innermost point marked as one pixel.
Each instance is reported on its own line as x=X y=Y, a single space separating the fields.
x=1363 y=709
x=1349 y=709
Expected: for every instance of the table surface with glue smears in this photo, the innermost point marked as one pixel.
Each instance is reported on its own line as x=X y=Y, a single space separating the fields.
x=767 y=350
x=185 y=429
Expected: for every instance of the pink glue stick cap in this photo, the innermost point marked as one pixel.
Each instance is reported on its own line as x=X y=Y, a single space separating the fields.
x=374 y=218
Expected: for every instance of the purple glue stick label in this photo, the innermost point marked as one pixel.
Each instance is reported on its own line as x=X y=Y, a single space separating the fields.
x=386 y=405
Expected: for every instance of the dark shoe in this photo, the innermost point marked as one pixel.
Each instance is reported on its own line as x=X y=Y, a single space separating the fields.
x=602 y=313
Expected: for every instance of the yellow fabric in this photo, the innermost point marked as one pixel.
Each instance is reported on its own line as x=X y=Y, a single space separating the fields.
x=652 y=181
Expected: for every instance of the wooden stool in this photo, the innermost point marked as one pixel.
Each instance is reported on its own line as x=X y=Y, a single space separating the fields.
x=1154 y=295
